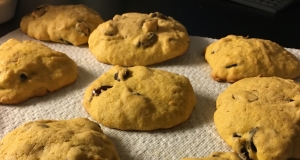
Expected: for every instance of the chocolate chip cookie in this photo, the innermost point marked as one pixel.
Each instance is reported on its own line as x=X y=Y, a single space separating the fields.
x=29 y=69
x=74 y=139
x=218 y=156
x=68 y=24
x=260 y=118
x=235 y=57
x=134 y=39
x=139 y=98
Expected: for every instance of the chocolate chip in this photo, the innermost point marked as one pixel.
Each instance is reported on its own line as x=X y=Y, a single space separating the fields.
x=39 y=11
x=249 y=145
x=116 y=76
x=121 y=75
x=65 y=41
x=110 y=29
x=245 y=153
x=236 y=135
x=252 y=133
x=158 y=15
x=150 y=25
x=82 y=28
x=291 y=100
x=98 y=91
x=212 y=52
x=230 y=66
x=252 y=146
x=23 y=77
x=147 y=40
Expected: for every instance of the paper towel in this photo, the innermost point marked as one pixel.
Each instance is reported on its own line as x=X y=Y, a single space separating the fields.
x=197 y=137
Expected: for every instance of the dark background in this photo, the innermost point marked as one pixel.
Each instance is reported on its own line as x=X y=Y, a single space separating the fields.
x=205 y=18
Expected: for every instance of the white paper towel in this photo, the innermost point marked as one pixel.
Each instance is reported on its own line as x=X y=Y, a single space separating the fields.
x=197 y=137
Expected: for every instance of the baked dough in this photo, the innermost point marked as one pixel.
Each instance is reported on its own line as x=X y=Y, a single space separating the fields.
x=133 y=39
x=235 y=57
x=259 y=118
x=74 y=139
x=139 y=98
x=68 y=24
x=29 y=69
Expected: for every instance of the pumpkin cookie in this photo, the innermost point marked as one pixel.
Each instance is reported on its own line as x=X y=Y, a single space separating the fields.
x=260 y=118
x=235 y=57
x=74 y=139
x=135 y=39
x=139 y=98
x=69 y=24
x=29 y=69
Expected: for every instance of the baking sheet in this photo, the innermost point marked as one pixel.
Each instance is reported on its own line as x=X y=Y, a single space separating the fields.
x=197 y=137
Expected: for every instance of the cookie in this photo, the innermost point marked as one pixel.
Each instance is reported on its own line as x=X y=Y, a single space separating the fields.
x=68 y=24
x=139 y=98
x=74 y=139
x=29 y=69
x=259 y=117
x=135 y=39
x=235 y=57
x=218 y=156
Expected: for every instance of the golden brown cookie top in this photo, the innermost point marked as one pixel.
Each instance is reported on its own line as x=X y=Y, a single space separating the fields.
x=29 y=69
x=76 y=139
x=139 y=98
x=69 y=24
x=138 y=39
x=235 y=57
x=259 y=118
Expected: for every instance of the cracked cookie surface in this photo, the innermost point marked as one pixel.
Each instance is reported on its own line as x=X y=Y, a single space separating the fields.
x=73 y=139
x=235 y=57
x=29 y=69
x=134 y=39
x=260 y=118
x=218 y=156
x=139 y=98
x=68 y=24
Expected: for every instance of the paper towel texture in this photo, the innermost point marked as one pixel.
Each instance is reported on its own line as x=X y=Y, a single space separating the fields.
x=197 y=137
